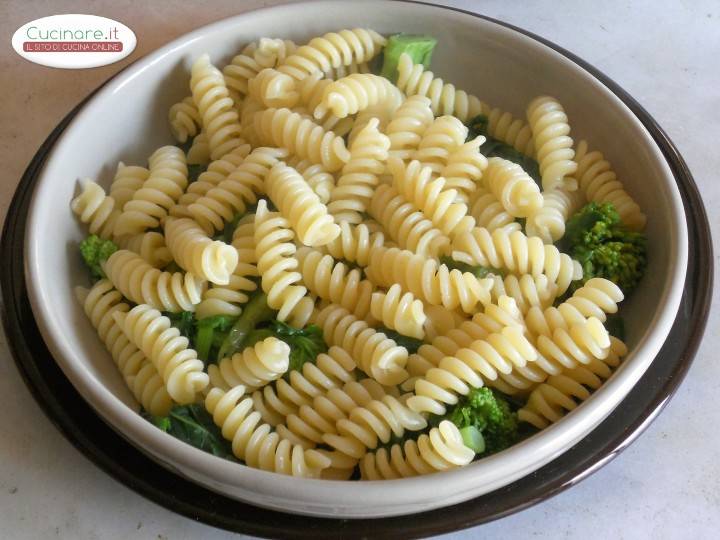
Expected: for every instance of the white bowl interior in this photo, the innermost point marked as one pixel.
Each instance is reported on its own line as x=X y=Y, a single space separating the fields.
x=127 y=120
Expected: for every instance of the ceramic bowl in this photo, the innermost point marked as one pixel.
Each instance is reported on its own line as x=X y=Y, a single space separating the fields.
x=127 y=119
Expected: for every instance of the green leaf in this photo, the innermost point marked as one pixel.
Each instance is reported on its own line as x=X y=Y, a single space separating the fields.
x=210 y=334
x=305 y=343
x=255 y=312
x=183 y=321
x=193 y=425
x=410 y=343
x=195 y=170
x=476 y=270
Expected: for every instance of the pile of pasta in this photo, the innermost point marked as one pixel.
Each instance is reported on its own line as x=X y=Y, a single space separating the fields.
x=354 y=192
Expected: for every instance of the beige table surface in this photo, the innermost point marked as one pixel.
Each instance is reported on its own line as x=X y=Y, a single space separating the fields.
x=667 y=485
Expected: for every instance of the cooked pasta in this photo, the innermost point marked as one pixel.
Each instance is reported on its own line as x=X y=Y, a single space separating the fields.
x=517 y=253
x=277 y=265
x=355 y=274
x=141 y=283
x=398 y=311
x=513 y=187
x=169 y=352
x=195 y=252
x=219 y=118
x=440 y=450
x=376 y=354
x=433 y=283
x=414 y=80
x=143 y=379
x=254 y=367
x=238 y=190
x=405 y=224
x=299 y=204
x=360 y=175
x=432 y=197
x=150 y=204
x=255 y=443
x=407 y=126
x=553 y=145
x=335 y=282
x=301 y=136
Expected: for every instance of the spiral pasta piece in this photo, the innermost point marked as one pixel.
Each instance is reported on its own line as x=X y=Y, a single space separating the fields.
x=335 y=281
x=496 y=316
x=514 y=188
x=440 y=321
x=439 y=141
x=440 y=450
x=553 y=145
x=428 y=280
x=331 y=370
x=548 y=222
x=302 y=137
x=444 y=98
x=199 y=152
x=150 y=246
x=562 y=393
x=195 y=252
x=600 y=184
x=376 y=354
x=274 y=89
x=216 y=172
x=354 y=93
x=432 y=197
x=161 y=191
x=141 y=283
x=255 y=444
x=333 y=50
x=407 y=226
x=596 y=298
x=469 y=367
x=143 y=379
x=184 y=119
x=320 y=180
x=299 y=204
x=360 y=175
x=513 y=131
x=311 y=91
x=517 y=253
x=344 y=70
x=252 y=367
x=266 y=53
x=398 y=311
x=169 y=352
x=277 y=265
x=489 y=212
x=377 y=420
x=528 y=291
x=238 y=190
x=407 y=126
x=217 y=110
x=464 y=168
x=355 y=243
x=128 y=179
x=96 y=209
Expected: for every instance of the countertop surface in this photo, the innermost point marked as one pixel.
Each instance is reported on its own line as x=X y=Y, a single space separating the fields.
x=666 y=485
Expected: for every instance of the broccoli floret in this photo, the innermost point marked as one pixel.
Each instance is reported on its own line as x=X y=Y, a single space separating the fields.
x=596 y=238
x=95 y=251
x=486 y=421
x=419 y=48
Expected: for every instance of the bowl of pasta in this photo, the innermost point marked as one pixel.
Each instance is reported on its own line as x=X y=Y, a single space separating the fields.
x=355 y=259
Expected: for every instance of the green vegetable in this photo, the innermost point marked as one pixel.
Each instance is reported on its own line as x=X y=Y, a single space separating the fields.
x=195 y=170
x=305 y=343
x=615 y=326
x=183 y=321
x=193 y=425
x=255 y=312
x=210 y=335
x=473 y=439
x=477 y=271
x=490 y=414
x=596 y=238
x=494 y=148
x=419 y=48
x=410 y=343
x=95 y=251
